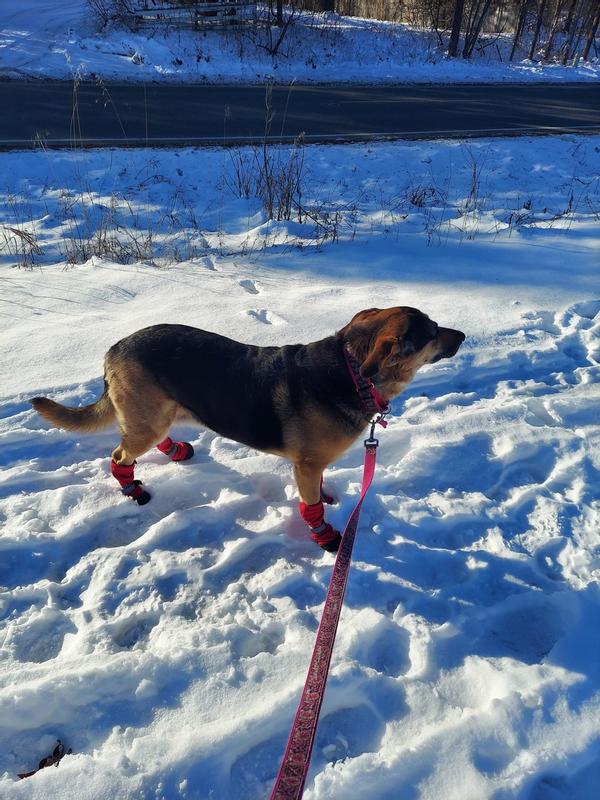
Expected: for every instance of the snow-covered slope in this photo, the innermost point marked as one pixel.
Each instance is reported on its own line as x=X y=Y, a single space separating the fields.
x=43 y=38
x=167 y=645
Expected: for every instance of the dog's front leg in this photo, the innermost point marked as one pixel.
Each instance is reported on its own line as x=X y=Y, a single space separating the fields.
x=308 y=477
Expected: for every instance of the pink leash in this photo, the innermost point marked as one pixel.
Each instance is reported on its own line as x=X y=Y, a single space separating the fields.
x=289 y=784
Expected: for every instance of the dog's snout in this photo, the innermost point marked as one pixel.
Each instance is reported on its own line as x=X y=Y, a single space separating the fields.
x=459 y=338
x=450 y=340
x=456 y=339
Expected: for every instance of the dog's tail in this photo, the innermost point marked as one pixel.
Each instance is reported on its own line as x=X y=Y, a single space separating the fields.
x=87 y=418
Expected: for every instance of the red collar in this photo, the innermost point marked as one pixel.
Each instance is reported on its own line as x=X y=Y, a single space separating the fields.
x=371 y=400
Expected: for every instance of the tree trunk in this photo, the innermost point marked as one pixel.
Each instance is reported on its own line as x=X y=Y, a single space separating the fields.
x=570 y=16
x=473 y=35
x=595 y=22
x=538 y=28
x=572 y=29
x=459 y=6
x=322 y=5
x=520 y=26
x=553 y=31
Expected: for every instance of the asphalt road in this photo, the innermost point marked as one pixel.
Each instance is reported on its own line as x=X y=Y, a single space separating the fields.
x=97 y=114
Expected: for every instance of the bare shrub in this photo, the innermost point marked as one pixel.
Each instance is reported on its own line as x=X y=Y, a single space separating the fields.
x=107 y=10
x=473 y=201
x=272 y=172
x=423 y=196
x=21 y=244
x=120 y=232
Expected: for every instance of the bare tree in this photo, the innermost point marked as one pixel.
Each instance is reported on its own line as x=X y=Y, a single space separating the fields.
x=570 y=15
x=592 y=31
x=538 y=27
x=544 y=29
x=278 y=14
x=478 y=11
x=435 y=14
x=457 y=17
x=553 y=30
x=573 y=29
x=106 y=10
x=521 y=20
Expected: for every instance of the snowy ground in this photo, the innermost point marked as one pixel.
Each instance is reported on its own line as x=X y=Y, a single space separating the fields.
x=43 y=38
x=168 y=644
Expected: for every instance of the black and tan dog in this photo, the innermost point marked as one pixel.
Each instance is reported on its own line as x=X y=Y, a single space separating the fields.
x=306 y=402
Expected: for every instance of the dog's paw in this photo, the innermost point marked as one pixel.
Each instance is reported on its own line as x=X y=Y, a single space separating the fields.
x=333 y=545
x=328 y=499
x=185 y=451
x=143 y=497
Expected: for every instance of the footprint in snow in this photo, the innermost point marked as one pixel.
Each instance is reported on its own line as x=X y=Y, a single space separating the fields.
x=527 y=631
x=384 y=648
x=575 y=320
x=252 y=287
x=538 y=415
x=344 y=733
x=349 y=732
x=542 y=320
x=491 y=756
x=587 y=309
x=130 y=632
x=248 y=644
x=115 y=294
x=265 y=316
x=39 y=638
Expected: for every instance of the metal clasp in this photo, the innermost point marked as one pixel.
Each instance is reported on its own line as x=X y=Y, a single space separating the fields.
x=378 y=420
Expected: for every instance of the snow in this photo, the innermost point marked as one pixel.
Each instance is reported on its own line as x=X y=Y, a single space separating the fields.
x=45 y=39
x=167 y=645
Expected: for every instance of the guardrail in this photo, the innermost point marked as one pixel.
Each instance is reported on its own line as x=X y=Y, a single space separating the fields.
x=193 y=14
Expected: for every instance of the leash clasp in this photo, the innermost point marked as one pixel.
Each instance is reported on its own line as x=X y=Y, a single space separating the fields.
x=378 y=420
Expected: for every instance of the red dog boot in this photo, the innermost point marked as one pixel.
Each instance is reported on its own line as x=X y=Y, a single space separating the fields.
x=129 y=486
x=177 y=451
x=321 y=532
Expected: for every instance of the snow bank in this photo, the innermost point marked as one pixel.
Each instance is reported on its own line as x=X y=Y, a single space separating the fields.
x=46 y=39
x=167 y=644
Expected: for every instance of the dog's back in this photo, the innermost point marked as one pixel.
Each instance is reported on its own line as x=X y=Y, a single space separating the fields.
x=228 y=386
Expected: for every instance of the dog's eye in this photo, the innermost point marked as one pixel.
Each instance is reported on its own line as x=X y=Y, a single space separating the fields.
x=421 y=332
x=408 y=346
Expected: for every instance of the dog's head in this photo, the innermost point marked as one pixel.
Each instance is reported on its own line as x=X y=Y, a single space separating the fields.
x=391 y=344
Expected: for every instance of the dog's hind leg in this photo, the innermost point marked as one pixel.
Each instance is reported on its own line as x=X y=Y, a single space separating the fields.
x=133 y=444
x=145 y=414
x=135 y=441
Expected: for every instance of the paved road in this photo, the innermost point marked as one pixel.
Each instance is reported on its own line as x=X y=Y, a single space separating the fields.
x=160 y=114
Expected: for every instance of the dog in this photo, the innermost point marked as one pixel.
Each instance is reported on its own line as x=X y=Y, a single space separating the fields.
x=305 y=402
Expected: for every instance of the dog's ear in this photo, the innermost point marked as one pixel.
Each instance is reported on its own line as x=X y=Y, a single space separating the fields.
x=386 y=352
x=375 y=358
x=359 y=332
x=359 y=321
x=370 y=347
x=380 y=339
